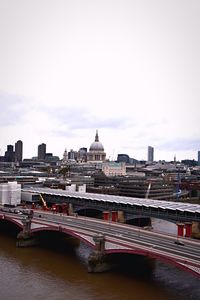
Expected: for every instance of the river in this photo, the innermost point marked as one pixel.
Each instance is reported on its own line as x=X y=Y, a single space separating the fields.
x=57 y=274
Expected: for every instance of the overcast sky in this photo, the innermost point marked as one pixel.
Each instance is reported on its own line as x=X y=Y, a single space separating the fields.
x=129 y=68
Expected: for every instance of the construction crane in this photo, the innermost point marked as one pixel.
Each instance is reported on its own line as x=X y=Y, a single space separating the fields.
x=148 y=191
x=44 y=202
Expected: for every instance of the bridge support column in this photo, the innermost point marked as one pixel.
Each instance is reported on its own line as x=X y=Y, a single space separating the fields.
x=97 y=259
x=188 y=229
x=196 y=230
x=25 y=238
x=180 y=228
x=114 y=216
x=120 y=216
x=106 y=215
x=70 y=209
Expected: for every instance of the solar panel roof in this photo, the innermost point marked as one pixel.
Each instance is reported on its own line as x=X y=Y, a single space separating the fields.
x=181 y=206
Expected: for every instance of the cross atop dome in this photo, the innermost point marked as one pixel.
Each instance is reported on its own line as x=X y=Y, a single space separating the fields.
x=96 y=136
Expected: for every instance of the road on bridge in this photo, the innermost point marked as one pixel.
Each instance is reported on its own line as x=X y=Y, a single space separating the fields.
x=127 y=235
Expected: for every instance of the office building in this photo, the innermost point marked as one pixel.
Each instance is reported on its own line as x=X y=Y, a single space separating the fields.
x=72 y=155
x=114 y=168
x=9 y=154
x=42 y=151
x=123 y=158
x=150 y=154
x=82 y=154
x=18 y=151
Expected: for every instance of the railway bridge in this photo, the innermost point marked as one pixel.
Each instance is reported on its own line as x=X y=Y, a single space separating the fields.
x=136 y=211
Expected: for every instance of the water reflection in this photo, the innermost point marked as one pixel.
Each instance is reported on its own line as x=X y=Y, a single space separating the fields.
x=163 y=226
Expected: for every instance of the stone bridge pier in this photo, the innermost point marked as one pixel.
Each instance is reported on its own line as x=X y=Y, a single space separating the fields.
x=25 y=238
x=97 y=262
x=196 y=230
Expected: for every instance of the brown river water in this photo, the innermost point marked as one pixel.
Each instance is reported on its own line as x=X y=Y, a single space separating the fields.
x=58 y=273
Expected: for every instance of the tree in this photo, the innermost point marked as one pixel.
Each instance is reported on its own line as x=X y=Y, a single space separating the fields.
x=65 y=171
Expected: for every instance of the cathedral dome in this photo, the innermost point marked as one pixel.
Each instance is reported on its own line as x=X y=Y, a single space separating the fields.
x=96 y=145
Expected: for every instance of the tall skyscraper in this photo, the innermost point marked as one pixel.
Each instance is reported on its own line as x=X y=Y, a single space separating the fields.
x=150 y=154
x=41 y=151
x=10 y=154
x=18 y=151
x=198 y=158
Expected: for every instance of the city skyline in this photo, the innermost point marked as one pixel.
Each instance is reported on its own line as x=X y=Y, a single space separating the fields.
x=17 y=152
x=129 y=69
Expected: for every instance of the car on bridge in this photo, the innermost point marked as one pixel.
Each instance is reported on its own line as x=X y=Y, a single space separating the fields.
x=179 y=243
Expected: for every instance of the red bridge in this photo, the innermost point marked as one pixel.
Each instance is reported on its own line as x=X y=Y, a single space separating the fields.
x=108 y=237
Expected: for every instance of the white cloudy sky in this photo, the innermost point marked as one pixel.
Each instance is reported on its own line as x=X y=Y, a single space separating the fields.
x=129 y=68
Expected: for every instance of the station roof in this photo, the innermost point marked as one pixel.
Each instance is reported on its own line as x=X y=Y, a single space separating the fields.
x=179 y=206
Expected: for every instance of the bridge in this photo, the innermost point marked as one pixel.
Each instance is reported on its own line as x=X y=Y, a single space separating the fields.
x=105 y=237
x=174 y=211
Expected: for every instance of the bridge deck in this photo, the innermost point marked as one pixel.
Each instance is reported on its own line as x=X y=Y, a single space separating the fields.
x=118 y=237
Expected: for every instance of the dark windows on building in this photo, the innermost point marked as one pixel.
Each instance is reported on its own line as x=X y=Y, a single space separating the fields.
x=42 y=151
x=18 y=151
x=10 y=154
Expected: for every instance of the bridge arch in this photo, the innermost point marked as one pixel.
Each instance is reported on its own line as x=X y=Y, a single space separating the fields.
x=8 y=219
x=68 y=232
x=162 y=258
x=9 y=225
